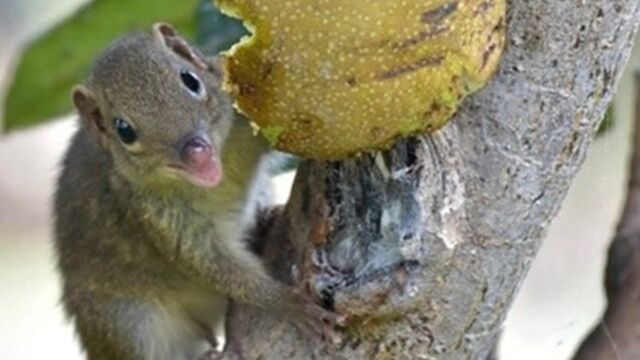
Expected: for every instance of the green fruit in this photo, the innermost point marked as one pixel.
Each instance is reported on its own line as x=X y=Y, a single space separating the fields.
x=329 y=78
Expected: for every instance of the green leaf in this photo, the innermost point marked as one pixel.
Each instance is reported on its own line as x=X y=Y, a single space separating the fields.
x=283 y=163
x=56 y=61
x=216 y=31
x=608 y=122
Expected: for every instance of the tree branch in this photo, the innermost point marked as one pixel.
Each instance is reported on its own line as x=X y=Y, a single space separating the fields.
x=425 y=245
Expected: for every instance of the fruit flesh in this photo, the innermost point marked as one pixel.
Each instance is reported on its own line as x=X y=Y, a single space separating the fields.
x=329 y=78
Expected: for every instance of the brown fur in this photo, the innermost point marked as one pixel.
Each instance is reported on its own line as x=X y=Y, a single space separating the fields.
x=148 y=260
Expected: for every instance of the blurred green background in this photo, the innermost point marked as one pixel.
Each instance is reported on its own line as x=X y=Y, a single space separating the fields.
x=558 y=304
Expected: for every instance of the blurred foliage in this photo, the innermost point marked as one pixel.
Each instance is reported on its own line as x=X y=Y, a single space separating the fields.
x=608 y=122
x=60 y=58
x=283 y=163
x=215 y=31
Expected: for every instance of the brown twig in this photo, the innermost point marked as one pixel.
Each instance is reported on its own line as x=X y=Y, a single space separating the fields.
x=617 y=336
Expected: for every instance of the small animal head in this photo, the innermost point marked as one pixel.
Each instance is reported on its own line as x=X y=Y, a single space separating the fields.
x=156 y=105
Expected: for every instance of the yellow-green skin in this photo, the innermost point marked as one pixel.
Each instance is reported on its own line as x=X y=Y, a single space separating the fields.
x=326 y=79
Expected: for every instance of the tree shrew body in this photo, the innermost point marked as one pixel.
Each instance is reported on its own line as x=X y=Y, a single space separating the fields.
x=158 y=191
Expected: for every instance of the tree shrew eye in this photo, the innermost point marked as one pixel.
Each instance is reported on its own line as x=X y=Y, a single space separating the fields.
x=125 y=132
x=191 y=81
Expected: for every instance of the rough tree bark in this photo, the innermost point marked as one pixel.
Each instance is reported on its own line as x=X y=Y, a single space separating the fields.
x=424 y=246
x=617 y=336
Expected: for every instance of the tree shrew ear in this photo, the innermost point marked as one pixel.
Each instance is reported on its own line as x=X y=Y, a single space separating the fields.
x=169 y=37
x=87 y=106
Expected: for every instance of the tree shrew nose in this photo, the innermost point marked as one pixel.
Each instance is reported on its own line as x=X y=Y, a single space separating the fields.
x=196 y=150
